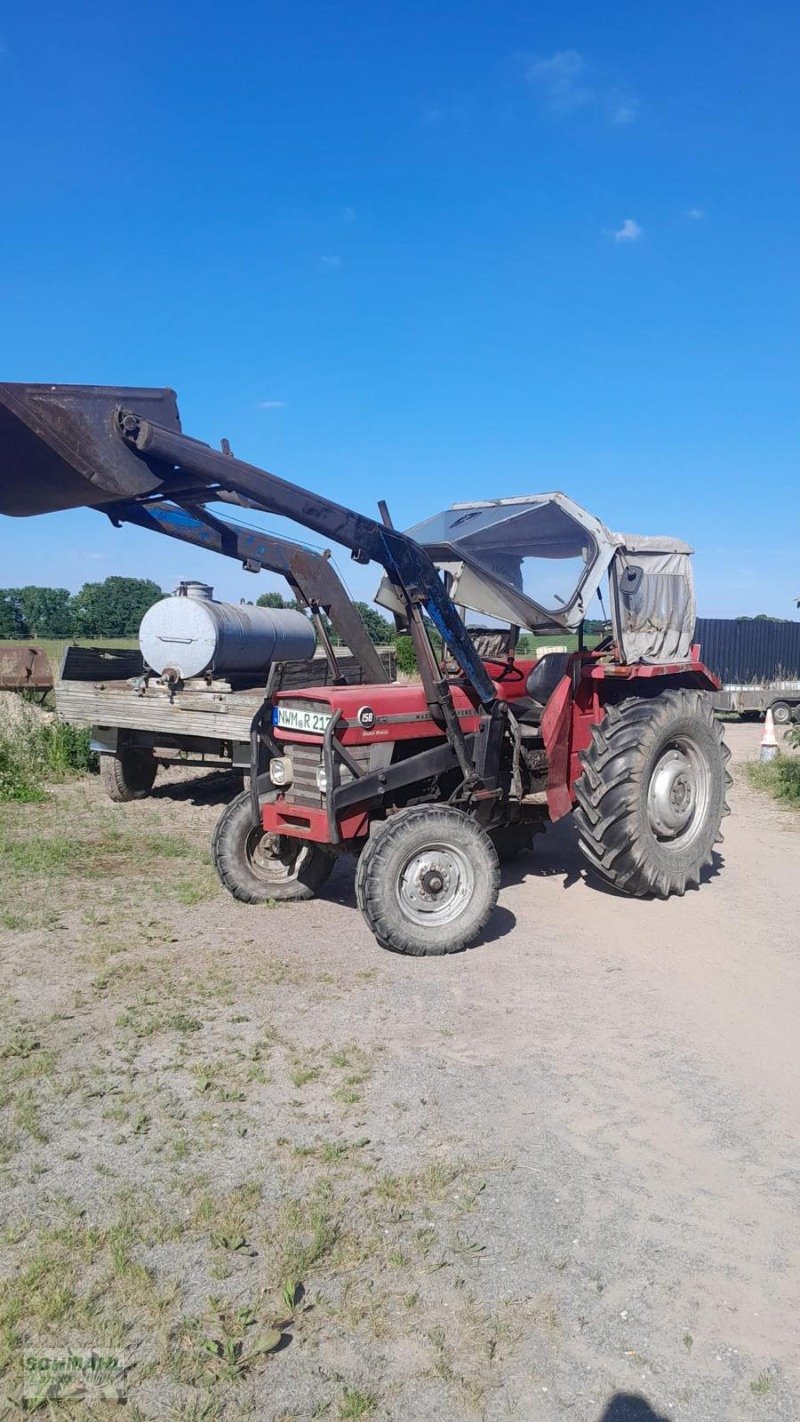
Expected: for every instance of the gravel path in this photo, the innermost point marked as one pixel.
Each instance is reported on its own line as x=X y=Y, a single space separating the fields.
x=593 y=1116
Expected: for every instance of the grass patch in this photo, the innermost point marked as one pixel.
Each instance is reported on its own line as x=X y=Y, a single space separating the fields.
x=779 y=777
x=34 y=751
x=85 y=1277
x=102 y=854
x=763 y=1385
x=418 y=1187
x=144 y=1018
x=355 y=1403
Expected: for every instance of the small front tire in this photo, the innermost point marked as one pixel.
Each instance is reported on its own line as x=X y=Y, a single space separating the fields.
x=428 y=882
x=781 y=713
x=256 y=867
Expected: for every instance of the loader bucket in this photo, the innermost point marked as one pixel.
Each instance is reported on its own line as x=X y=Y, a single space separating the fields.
x=59 y=449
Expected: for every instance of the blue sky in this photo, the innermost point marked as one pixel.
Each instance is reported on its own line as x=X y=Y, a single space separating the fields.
x=423 y=253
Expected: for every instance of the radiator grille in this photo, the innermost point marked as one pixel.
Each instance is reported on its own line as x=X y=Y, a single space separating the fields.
x=306 y=760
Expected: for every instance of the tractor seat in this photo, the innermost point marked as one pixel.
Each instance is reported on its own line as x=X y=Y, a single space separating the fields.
x=542 y=681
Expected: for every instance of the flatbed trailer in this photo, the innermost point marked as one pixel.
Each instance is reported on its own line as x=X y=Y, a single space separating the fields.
x=782 y=698
x=201 y=723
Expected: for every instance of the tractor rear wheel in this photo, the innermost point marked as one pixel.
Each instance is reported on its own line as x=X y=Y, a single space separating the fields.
x=652 y=793
x=428 y=881
x=128 y=775
x=255 y=866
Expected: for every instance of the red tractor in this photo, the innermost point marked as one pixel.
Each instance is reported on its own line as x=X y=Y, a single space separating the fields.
x=432 y=784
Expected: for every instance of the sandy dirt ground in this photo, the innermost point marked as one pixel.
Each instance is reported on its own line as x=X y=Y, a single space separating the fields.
x=553 y=1177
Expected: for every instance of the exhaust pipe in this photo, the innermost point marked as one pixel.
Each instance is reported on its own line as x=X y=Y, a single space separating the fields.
x=59 y=448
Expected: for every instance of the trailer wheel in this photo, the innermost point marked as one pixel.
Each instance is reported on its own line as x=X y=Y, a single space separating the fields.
x=256 y=867
x=781 y=713
x=652 y=793
x=428 y=882
x=128 y=775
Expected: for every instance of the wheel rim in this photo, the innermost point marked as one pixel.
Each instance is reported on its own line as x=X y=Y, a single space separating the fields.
x=678 y=793
x=781 y=714
x=435 y=884
x=274 y=857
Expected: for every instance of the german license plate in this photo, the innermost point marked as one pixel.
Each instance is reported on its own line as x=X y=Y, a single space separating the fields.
x=290 y=718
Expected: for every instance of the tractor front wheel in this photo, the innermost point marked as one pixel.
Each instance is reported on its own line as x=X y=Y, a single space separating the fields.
x=255 y=866
x=428 y=881
x=652 y=793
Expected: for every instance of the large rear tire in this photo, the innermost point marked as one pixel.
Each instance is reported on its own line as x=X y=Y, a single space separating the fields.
x=128 y=775
x=256 y=867
x=651 y=797
x=428 y=881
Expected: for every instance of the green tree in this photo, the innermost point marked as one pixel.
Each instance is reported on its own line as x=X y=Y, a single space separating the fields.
x=12 y=623
x=46 y=612
x=115 y=607
x=272 y=599
x=406 y=656
x=381 y=631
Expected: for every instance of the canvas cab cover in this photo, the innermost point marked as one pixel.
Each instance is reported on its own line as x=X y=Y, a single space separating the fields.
x=537 y=561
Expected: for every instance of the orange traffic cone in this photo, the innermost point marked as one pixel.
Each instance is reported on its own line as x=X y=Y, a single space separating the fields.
x=769 y=745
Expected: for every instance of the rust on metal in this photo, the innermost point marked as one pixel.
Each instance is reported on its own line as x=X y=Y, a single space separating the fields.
x=25 y=669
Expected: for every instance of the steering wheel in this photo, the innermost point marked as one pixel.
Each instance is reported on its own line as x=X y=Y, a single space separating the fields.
x=510 y=672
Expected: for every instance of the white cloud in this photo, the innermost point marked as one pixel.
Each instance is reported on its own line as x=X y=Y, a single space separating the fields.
x=566 y=81
x=560 y=80
x=630 y=231
x=624 y=111
x=696 y=213
x=271 y=404
x=331 y=264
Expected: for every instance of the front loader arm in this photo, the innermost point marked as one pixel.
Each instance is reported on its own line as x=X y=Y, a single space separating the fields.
x=92 y=446
x=181 y=460
x=310 y=574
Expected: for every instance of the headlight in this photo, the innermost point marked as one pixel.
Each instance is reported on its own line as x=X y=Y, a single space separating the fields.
x=281 y=771
x=322 y=780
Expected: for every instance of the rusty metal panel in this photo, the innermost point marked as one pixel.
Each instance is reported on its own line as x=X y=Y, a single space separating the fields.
x=25 y=669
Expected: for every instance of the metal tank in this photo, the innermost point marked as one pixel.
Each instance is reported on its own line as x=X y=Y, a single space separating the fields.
x=188 y=634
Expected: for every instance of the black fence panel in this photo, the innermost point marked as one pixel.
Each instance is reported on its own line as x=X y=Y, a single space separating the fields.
x=743 y=650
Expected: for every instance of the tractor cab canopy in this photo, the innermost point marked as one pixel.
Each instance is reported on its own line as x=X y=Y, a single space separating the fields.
x=536 y=562
x=653 y=610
